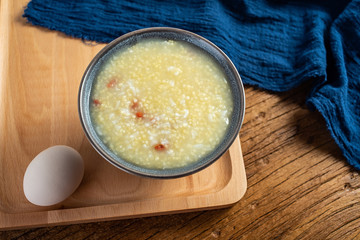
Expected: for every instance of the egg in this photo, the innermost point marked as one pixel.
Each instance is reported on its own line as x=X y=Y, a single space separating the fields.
x=53 y=175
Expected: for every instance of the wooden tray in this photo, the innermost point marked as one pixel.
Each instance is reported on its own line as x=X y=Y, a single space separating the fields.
x=40 y=74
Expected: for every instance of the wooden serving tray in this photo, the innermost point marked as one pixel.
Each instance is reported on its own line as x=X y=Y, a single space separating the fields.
x=40 y=74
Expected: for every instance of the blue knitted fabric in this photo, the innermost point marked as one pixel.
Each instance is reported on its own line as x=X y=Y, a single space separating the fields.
x=276 y=45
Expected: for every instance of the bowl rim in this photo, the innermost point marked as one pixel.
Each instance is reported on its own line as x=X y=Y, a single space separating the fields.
x=98 y=148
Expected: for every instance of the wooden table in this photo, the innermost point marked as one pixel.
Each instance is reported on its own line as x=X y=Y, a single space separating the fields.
x=299 y=185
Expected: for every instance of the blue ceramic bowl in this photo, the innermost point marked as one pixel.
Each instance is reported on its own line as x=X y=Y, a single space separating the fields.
x=233 y=77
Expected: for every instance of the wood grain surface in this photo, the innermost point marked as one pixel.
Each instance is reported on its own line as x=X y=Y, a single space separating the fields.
x=299 y=184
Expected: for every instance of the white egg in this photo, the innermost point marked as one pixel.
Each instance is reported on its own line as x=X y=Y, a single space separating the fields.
x=53 y=175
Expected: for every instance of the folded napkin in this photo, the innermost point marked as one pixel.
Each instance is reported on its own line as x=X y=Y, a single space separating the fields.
x=276 y=45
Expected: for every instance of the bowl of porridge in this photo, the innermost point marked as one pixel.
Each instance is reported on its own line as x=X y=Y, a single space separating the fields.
x=161 y=102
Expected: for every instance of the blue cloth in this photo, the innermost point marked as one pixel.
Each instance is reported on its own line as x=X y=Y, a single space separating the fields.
x=276 y=45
